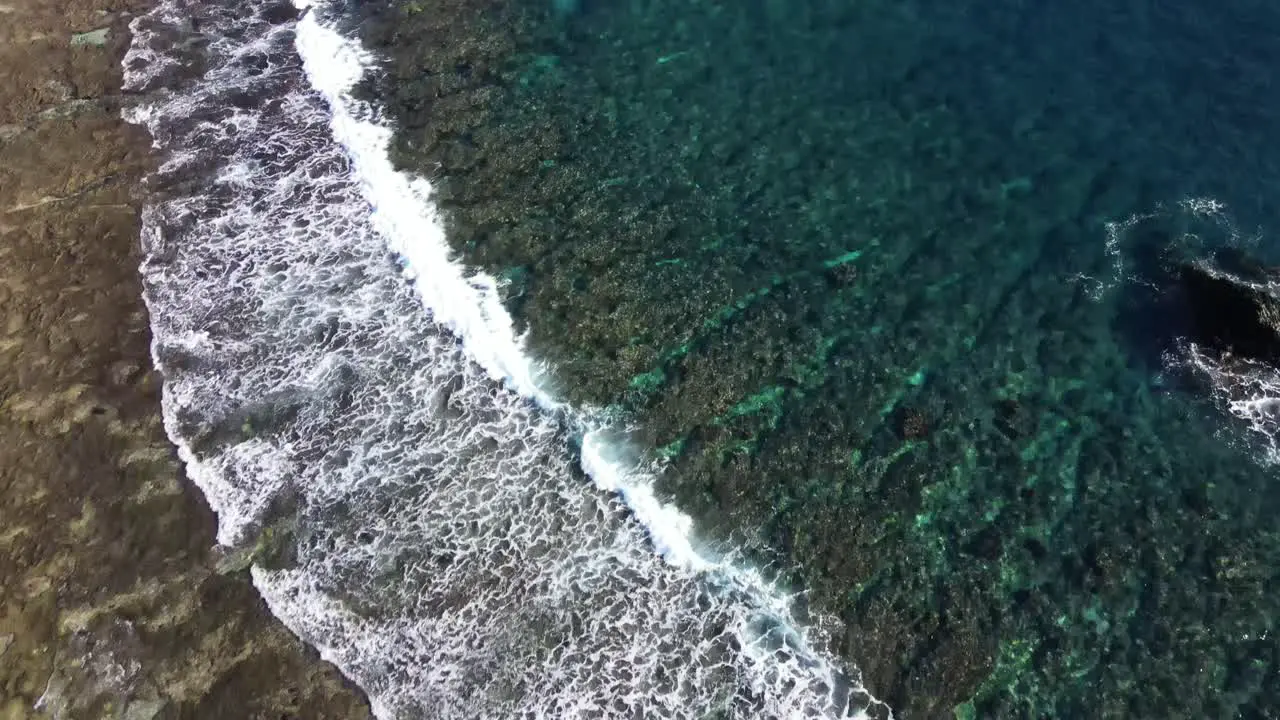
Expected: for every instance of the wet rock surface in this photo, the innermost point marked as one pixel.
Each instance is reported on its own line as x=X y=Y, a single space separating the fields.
x=1233 y=307
x=111 y=603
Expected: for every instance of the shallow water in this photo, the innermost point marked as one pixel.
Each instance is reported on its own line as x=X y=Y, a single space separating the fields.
x=871 y=282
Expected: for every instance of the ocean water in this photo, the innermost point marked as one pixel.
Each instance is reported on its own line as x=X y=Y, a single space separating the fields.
x=643 y=358
x=360 y=415
x=882 y=288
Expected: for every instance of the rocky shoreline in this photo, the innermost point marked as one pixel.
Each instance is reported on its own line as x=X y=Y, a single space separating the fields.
x=111 y=603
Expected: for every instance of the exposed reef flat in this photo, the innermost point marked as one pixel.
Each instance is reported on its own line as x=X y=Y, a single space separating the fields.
x=111 y=605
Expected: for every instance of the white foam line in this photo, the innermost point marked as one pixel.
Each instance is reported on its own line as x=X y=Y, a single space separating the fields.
x=471 y=307
x=402 y=213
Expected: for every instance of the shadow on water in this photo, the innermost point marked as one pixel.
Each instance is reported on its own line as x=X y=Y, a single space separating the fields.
x=1191 y=280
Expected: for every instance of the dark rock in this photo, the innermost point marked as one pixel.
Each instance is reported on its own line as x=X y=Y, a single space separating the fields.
x=279 y=12
x=1036 y=548
x=842 y=275
x=986 y=544
x=913 y=425
x=1231 y=307
x=1010 y=419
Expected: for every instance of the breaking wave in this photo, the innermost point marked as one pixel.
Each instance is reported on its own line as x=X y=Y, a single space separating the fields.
x=348 y=396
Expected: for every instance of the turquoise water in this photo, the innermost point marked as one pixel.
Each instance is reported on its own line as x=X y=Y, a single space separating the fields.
x=869 y=277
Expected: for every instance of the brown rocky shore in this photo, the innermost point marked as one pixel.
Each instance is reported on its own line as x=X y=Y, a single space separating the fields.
x=110 y=602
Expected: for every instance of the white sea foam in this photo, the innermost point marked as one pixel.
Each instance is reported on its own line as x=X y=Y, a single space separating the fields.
x=1248 y=389
x=469 y=305
x=450 y=557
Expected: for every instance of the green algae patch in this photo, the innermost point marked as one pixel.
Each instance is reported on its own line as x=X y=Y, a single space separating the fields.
x=672 y=449
x=842 y=259
x=769 y=400
x=648 y=382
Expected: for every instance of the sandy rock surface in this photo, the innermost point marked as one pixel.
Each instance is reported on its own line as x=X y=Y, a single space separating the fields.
x=110 y=603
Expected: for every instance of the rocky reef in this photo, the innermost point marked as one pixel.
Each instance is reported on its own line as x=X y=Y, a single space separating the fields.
x=859 y=273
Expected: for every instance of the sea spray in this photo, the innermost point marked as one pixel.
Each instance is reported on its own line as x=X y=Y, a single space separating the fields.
x=471 y=306
x=449 y=556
